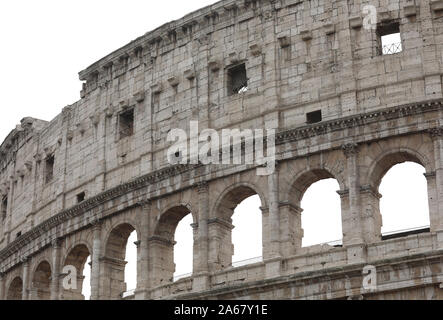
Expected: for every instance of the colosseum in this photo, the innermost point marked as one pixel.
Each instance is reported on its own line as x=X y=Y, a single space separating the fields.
x=343 y=106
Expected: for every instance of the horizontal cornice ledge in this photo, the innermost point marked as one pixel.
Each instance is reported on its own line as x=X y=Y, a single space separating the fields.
x=165 y=173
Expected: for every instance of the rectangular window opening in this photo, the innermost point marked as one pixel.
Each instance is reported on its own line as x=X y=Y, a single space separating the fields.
x=237 y=80
x=389 y=39
x=81 y=197
x=126 y=124
x=314 y=117
x=49 y=169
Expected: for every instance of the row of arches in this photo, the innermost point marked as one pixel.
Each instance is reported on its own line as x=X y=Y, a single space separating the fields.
x=240 y=223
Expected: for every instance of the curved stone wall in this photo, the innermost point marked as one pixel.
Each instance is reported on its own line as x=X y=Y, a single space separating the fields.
x=79 y=184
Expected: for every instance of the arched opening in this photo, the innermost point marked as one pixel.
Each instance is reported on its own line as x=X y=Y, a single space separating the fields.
x=183 y=248
x=15 y=289
x=399 y=198
x=131 y=266
x=321 y=217
x=315 y=209
x=237 y=230
x=116 y=271
x=41 y=282
x=247 y=233
x=77 y=268
x=404 y=204
x=172 y=245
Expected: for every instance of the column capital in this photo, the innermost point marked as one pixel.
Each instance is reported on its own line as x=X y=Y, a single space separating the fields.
x=350 y=149
x=145 y=204
x=56 y=243
x=96 y=224
x=343 y=193
x=293 y=207
x=436 y=133
x=430 y=175
x=202 y=187
x=372 y=190
x=137 y=243
x=25 y=260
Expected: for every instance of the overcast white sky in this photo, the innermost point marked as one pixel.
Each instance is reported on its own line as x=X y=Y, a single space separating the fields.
x=45 y=44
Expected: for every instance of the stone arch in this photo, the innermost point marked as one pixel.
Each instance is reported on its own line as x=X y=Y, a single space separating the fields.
x=41 y=281
x=163 y=241
x=76 y=256
x=221 y=248
x=233 y=195
x=386 y=160
x=115 y=238
x=15 y=289
x=303 y=180
x=113 y=283
x=291 y=210
x=380 y=166
x=169 y=219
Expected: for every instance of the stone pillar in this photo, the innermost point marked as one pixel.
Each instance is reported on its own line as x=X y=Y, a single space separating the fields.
x=2 y=287
x=274 y=217
x=96 y=254
x=434 y=216
x=437 y=212
x=220 y=244
x=272 y=254
x=141 y=293
x=162 y=261
x=201 y=240
x=55 y=275
x=354 y=228
x=291 y=228
x=25 y=291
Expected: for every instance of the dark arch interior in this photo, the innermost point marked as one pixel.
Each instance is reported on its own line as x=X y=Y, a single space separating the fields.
x=42 y=280
x=15 y=289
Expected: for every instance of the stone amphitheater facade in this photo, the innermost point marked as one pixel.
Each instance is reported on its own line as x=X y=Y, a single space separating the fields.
x=81 y=183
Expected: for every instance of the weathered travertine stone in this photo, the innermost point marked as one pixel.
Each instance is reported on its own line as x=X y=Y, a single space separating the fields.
x=99 y=170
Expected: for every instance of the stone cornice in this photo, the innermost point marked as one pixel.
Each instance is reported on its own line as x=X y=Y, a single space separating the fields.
x=358 y=120
x=283 y=137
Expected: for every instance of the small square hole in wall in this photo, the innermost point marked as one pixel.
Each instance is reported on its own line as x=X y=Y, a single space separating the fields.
x=389 y=39
x=19 y=234
x=237 y=80
x=49 y=168
x=126 y=124
x=314 y=117
x=81 y=197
